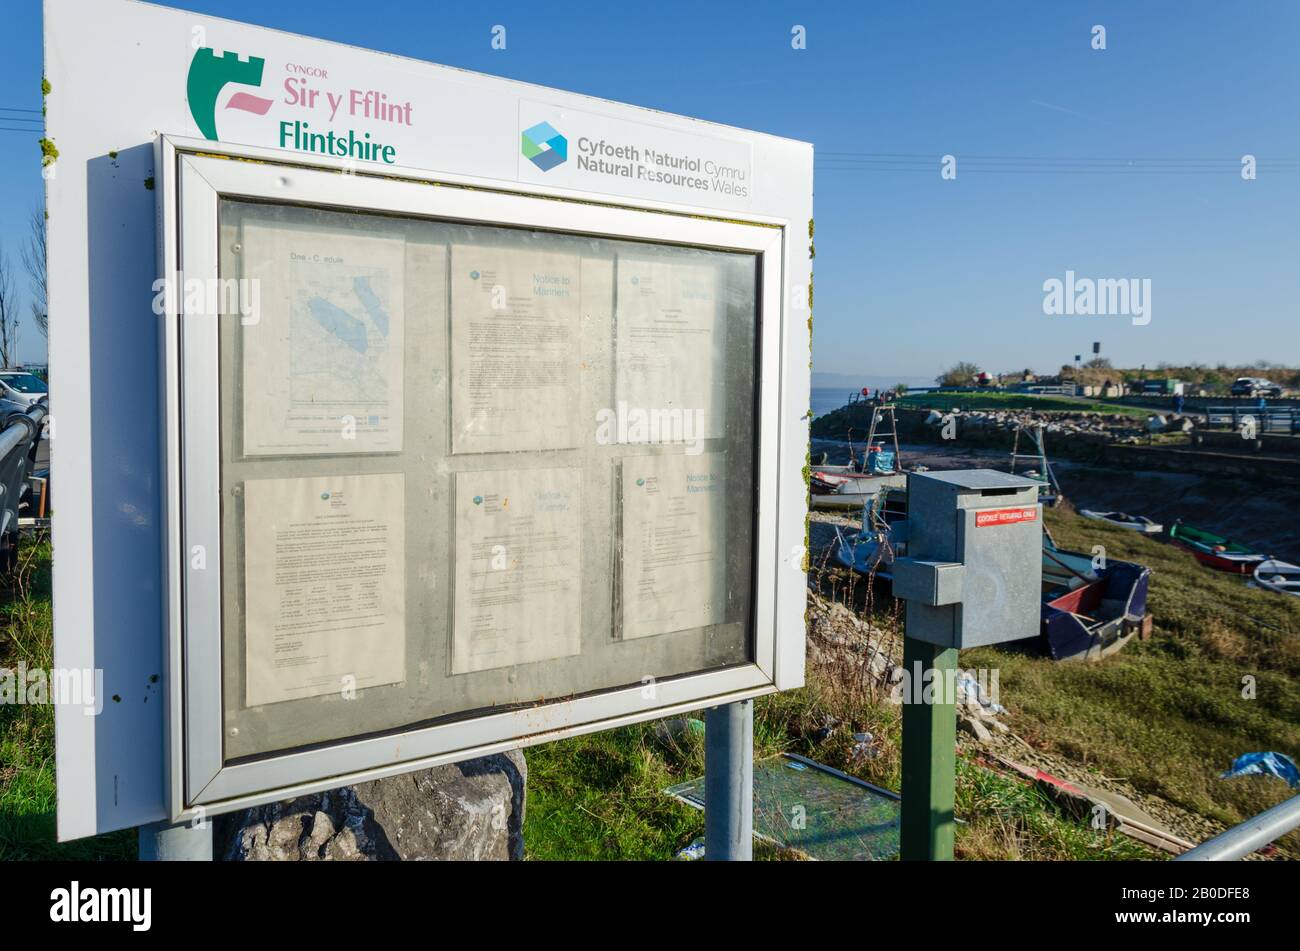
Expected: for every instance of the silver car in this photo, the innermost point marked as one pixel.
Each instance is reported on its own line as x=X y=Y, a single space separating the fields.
x=21 y=387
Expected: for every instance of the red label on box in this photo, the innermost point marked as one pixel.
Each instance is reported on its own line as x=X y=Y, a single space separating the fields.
x=1005 y=516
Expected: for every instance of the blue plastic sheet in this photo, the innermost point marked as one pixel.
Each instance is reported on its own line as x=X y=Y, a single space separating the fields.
x=1274 y=764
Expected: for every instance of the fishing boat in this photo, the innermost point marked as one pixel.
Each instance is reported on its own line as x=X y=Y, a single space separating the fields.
x=878 y=461
x=870 y=552
x=1136 y=523
x=860 y=475
x=857 y=494
x=1090 y=609
x=1280 y=576
x=1215 y=551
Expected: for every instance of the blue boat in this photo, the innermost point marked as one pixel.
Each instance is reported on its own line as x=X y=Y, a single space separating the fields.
x=1090 y=610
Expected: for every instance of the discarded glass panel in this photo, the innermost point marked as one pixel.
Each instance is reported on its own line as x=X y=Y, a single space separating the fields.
x=813 y=809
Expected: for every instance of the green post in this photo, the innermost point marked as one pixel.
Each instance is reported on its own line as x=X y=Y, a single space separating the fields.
x=929 y=753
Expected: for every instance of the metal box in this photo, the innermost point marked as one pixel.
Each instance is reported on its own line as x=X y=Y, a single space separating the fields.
x=974 y=569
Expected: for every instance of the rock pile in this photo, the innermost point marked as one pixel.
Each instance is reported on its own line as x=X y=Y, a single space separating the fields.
x=1107 y=427
x=472 y=810
x=843 y=645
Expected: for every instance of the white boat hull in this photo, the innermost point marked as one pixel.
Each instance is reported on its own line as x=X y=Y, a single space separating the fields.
x=1132 y=523
x=1280 y=576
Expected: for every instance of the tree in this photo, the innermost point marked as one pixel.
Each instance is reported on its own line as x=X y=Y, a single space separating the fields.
x=34 y=265
x=8 y=313
x=961 y=374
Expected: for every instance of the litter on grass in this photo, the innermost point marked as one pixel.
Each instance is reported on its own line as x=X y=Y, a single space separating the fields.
x=812 y=809
x=1268 y=764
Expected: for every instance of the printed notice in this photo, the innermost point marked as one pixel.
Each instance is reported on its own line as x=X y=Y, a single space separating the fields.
x=670 y=360
x=518 y=563
x=322 y=354
x=674 y=543
x=323 y=577
x=515 y=349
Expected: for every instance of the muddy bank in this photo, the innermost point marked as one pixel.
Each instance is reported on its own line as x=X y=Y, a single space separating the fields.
x=1263 y=516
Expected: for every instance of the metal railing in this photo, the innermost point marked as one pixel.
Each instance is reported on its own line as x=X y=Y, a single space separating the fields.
x=1251 y=835
x=18 y=444
x=1280 y=419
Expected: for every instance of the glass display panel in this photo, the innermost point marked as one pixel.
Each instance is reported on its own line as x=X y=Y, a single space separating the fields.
x=466 y=468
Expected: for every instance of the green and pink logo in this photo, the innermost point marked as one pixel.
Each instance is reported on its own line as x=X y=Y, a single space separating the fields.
x=544 y=147
x=209 y=75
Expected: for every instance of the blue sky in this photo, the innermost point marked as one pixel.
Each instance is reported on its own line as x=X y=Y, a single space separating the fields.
x=913 y=272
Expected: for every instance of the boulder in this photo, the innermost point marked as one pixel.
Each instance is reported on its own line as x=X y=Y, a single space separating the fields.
x=462 y=811
x=976 y=729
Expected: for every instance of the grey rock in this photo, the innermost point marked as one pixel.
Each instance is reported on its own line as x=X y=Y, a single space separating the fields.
x=462 y=811
x=976 y=729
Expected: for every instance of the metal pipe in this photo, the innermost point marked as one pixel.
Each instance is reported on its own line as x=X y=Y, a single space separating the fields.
x=15 y=434
x=160 y=842
x=729 y=782
x=1253 y=834
x=22 y=426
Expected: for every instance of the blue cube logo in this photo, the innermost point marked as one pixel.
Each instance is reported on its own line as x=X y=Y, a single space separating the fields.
x=544 y=147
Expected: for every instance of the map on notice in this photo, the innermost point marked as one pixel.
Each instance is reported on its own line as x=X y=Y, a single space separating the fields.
x=323 y=358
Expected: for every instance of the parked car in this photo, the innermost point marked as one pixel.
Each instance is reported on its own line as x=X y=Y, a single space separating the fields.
x=8 y=410
x=1255 y=386
x=19 y=386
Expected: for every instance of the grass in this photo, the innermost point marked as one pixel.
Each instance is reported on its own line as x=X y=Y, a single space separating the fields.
x=995 y=400
x=1166 y=714
x=27 y=793
x=1220 y=677
x=601 y=796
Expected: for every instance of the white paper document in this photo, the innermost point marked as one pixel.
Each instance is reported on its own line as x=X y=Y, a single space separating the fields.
x=515 y=349
x=674 y=543
x=670 y=378
x=322 y=354
x=518 y=567
x=324 y=563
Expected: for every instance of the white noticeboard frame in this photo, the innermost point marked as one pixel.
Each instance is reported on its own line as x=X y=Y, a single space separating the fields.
x=207 y=91
x=195 y=177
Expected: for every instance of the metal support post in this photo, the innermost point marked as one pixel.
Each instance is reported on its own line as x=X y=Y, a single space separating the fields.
x=929 y=753
x=184 y=842
x=729 y=782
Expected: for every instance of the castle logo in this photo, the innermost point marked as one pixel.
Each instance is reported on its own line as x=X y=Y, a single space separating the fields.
x=210 y=75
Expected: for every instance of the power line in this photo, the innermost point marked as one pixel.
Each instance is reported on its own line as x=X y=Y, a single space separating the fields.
x=1201 y=167
x=1054 y=171
x=831 y=160
x=978 y=163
